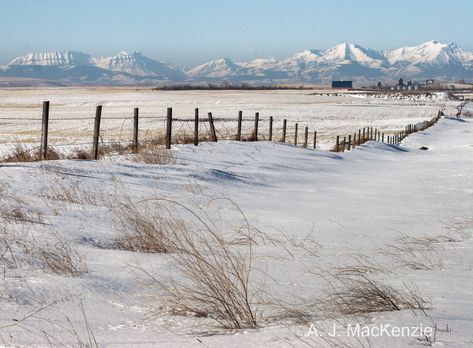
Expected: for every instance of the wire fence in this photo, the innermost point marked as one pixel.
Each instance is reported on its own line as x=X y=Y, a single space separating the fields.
x=40 y=133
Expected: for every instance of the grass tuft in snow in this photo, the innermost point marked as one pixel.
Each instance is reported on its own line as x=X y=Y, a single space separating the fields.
x=214 y=266
x=22 y=153
x=358 y=294
x=144 y=227
x=151 y=153
x=77 y=194
x=18 y=249
x=417 y=253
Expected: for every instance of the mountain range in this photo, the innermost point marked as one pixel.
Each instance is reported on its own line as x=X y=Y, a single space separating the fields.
x=430 y=60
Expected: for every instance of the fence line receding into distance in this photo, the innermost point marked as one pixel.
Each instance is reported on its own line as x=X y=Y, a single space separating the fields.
x=204 y=130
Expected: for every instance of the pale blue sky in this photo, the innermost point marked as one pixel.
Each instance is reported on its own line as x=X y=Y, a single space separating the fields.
x=188 y=32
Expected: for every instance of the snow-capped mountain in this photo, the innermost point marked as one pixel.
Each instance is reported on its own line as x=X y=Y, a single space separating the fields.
x=349 y=52
x=341 y=61
x=138 y=64
x=80 y=67
x=57 y=59
x=431 y=59
x=260 y=63
x=350 y=61
x=431 y=53
x=219 y=68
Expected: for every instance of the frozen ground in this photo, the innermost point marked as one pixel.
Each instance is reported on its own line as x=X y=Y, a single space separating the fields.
x=72 y=112
x=327 y=210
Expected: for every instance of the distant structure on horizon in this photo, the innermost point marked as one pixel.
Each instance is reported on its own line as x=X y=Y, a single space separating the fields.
x=342 y=84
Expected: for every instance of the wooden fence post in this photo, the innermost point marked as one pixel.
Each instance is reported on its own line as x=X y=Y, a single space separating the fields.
x=349 y=142
x=271 y=128
x=359 y=136
x=371 y=133
x=382 y=137
x=98 y=116
x=338 y=142
x=136 y=112
x=240 y=119
x=295 y=134
x=306 y=136
x=364 y=137
x=344 y=142
x=255 y=132
x=315 y=140
x=168 y=128
x=44 y=130
x=284 y=128
x=354 y=140
x=196 y=127
x=212 y=128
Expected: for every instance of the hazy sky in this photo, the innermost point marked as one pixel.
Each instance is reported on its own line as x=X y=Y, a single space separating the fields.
x=190 y=32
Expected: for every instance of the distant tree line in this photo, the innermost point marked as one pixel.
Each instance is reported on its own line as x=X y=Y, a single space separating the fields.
x=218 y=87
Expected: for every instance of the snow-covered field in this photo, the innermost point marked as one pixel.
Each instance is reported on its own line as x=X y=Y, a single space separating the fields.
x=322 y=217
x=72 y=112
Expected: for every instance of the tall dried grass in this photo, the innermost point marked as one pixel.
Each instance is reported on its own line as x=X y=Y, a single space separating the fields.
x=151 y=153
x=358 y=294
x=18 y=249
x=418 y=253
x=214 y=272
x=22 y=153
x=77 y=193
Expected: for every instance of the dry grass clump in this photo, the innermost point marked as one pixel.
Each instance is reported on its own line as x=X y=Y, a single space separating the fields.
x=362 y=264
x=22 y=153
x=20 y=249
x=16 y=210
x=418 y=253
x=80 y=154
x=184 y=138
x=459 y=230
x=21 y=214
x=141 y=227
x=151 y=153
x=360 y=294
x=104 y=150
x=57 y=257
x=76 y=193
x=214 y=272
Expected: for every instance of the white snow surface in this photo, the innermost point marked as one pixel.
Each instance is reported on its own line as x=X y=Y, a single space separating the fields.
x=350 y=203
